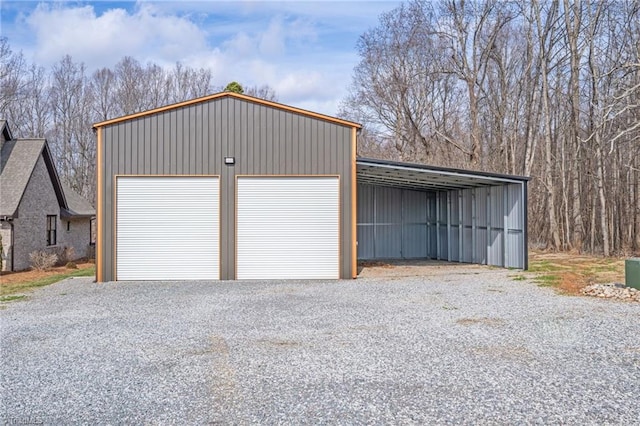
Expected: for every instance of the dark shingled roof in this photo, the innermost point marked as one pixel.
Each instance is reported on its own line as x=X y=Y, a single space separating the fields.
x=77 y=206
x=18 y=159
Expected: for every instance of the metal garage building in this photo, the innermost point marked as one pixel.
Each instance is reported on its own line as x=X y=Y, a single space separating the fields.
x=233 y=187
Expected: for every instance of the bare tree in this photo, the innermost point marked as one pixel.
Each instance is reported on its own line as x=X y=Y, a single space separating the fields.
x=549 y=89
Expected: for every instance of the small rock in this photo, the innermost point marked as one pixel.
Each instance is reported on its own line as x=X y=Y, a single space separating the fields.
x=612 y=291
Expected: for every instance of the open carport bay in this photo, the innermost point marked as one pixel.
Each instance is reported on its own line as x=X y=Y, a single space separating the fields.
x=465 y=347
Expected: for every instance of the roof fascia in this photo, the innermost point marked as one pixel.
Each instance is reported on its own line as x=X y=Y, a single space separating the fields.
x=53 y=175
x=231 y=95
x=442 y=170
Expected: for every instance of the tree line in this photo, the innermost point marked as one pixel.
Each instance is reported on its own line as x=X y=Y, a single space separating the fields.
x=547 y=89
x=62 y=103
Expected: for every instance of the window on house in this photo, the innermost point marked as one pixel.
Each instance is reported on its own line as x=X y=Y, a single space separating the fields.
x=52 y=221
x=68 y=225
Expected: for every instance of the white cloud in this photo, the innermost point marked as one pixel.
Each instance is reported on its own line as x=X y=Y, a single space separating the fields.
x=272 y=41
x=104 y=39
x=305 y=51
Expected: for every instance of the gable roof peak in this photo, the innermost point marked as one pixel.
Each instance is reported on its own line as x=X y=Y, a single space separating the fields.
x=220 y=95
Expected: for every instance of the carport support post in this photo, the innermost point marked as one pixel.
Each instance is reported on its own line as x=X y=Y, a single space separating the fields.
x=460 y=226
x=438 y=226
x=449 y=226
x=473 y=226
x=489 y=226
x=375 y=219
x=505 y=213
x=525 y=231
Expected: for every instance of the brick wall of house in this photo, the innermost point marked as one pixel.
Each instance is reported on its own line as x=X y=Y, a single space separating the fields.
x=30 y=227
x=76 y=236
x=5 y=233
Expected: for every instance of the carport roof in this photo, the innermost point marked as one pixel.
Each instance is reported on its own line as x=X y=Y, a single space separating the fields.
x=426 y=178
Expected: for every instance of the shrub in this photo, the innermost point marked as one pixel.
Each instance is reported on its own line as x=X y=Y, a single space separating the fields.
x=41 y=260
x=71 y=265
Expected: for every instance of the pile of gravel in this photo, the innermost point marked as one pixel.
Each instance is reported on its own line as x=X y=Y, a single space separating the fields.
x=612 y=291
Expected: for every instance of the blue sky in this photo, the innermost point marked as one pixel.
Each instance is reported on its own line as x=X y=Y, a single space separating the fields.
x=304 y=50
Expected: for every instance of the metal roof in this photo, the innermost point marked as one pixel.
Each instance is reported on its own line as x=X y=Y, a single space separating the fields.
x=426 y=178
x=260 y=101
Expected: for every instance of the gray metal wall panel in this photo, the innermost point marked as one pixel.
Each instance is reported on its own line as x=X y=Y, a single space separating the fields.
x=467 y=248
x=414 y=207
x=516 y=244
x=388 y=205
x=388 y=241
x=194 y=140
x=366 y=206
x=414 y=225
x=481 y=207
x=431 y=228
x=497 y=207
x=495 y=249
x=515 y=254
x=483 y=222
x=514 y=203
x=455 y=208
x=455 y=244
x=467 y=225
x=415 y=241
x=393 y=223
x=366 y=242
x=441 y=222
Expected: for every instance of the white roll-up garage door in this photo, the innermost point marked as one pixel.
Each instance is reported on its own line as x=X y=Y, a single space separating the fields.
x=288 y=227
x=167 y=228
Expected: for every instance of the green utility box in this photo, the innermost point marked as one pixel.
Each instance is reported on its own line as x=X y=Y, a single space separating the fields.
x=632 y=272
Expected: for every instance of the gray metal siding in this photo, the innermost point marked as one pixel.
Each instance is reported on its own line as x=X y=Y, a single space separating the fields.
x=193 y=140
x=458 y=225
x=393 y=223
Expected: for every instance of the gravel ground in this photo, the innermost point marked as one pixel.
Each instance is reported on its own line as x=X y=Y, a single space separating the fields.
x=472 y=346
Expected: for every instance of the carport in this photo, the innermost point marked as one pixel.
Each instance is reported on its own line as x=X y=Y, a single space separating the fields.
x=412 y=211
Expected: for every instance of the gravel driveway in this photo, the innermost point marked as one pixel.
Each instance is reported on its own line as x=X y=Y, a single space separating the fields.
x=467 y=346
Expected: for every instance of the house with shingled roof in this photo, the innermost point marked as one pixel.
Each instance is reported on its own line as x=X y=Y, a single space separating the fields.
x=37 y=211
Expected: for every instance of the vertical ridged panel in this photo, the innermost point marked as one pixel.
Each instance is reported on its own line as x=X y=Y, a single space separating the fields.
x=393 y=223
x=414 y=225
x=443 y=251
x=495 y=255
x=194 y=140
x=388 y=227
x=467 y=224
x=515 y=228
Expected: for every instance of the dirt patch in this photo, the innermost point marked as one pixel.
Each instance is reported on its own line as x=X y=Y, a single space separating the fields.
x=415 y=268
x=573 y=272
x=7 y=278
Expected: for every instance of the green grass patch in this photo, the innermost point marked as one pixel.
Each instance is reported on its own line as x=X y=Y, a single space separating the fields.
x=12 y=297
x=603 y=268
x=19 y=287
x=548 y=280
x=518 y=277
x=544 y=266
